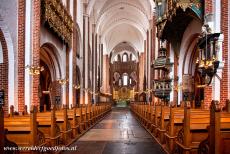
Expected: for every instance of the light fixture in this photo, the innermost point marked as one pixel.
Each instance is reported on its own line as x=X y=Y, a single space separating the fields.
x=177 y=87
x=46 y=92
x=76 y=86
x=62 y=81
x=34 y=70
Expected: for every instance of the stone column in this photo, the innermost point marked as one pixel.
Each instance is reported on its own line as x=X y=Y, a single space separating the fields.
x=85 y=57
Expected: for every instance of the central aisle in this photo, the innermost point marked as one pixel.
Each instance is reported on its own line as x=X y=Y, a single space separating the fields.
x=118 y=133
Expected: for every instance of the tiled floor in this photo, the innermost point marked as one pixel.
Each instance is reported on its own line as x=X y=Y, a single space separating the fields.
x=118 y=133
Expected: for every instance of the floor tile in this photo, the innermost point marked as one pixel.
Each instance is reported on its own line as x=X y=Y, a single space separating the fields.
x=117 y=133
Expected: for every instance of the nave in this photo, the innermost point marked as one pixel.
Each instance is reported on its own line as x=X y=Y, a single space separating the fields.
x=118 y=133
x=65 y=63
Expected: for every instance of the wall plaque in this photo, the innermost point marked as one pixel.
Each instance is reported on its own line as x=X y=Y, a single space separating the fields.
x=1 y=97
x=57 y=100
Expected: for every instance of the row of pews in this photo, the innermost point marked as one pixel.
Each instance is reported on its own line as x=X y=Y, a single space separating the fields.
x=58 y=127
x=185 y=130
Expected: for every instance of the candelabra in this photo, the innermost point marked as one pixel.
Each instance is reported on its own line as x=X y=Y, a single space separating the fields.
x=77 y=86
x=62 y=81
x=34 y=70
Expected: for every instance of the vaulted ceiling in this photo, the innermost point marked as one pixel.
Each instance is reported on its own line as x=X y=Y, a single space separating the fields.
x=118 y=21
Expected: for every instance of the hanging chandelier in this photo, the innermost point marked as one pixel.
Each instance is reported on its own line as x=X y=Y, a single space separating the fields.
x=208 y=61
x=63 y=81
x=34 y=70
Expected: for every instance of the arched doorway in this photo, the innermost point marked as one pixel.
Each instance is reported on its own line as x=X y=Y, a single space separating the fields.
x=78 y=82
x=45 y=86
x=50 y=89
x=3 y=69
x=7 y=76
x=198 y=91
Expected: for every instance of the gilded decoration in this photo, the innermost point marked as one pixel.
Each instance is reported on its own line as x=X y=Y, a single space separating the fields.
x=58 y=18
x=123 y=93
x=194 y=5
x=166 y=11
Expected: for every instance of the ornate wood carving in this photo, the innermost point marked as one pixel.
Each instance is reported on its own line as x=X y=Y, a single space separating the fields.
x=166 y=16
x=58 y=18
x=40 y=138
x=204 y=147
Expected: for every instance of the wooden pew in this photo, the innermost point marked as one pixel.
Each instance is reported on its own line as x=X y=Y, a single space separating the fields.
x=149 y=118
x=47 y=124
x=23 y=130
x=194 y=131
x=89 y=115
x=219 y=132
x=63 y=121
x=84 y=121
x=155 y=117
x=53 y=128
x=163 y=121
x=75 y=120
x=4 y=142
x=175 y=124
x=94 y=114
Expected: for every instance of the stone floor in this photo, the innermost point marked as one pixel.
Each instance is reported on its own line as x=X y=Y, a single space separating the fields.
x=118 y=133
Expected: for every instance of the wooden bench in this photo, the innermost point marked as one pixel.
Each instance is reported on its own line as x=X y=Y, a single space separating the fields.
x=47 y=124
x=63 y=121
x=155 y=117
x=84 y=121
x=75 y=120
x=23 y=130
x=163 y=121
x=219 y=132
x=176 y=118
x=194 y=130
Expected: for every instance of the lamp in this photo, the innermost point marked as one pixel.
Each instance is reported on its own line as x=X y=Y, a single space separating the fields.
x=34 y=70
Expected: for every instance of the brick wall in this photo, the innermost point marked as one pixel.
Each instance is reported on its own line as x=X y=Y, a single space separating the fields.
x=208 y=6
x=21 y=54
x=36 y=49
x=207 y=96
x=224 y=28
x=4 y=71
x=56 y=91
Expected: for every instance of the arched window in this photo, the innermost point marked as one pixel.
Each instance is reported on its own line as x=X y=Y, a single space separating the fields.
x=116 y=58
x=125 y=80
x=1 y=53
x=133 y=58
x=125 y=57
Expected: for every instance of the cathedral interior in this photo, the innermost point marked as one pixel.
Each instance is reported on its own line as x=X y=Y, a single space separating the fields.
x=115 y=76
